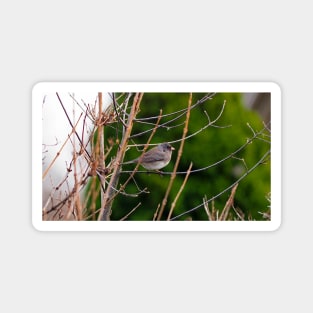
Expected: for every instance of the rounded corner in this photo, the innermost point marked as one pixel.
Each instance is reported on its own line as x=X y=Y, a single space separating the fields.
x=276 y=226
x=37 y=226
x=276 y=87
x=37 y=86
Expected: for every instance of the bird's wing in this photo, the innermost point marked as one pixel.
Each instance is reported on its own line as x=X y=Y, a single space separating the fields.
x=153 y=157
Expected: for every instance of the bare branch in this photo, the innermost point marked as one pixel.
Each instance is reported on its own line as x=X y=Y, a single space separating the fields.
x=179 y=192
x=125 y=217
x=69 y=120
x=226 y=189
x=182 y=113
x=59 y=152
x=105 y=211
x=231 y=155
x=100 y=165
x=179 y=154
x=133 y=172
x=228 y=204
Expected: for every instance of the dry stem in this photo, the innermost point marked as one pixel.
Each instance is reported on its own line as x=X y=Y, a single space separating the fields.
x=228 y=204
x=105 y=210
x=179 y=192
x=179 y=154
x=59 y=152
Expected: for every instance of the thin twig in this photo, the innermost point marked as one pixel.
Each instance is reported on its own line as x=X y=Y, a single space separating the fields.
x=68 y=197
x=179 y=154
x=209 y=96
x=179 y=192
x=105 y=211
x=231 y=155
x=125 y=217
x=156 y=212
x=142 y=153
x=207 y=209
x=228 y=205
x=69 y=120
x=183 y=112
x=228 y=188
x=133 y=172
x=59 y=152
x=116 y=111
x=77 y=208
x=100 y=161
x=210 y=123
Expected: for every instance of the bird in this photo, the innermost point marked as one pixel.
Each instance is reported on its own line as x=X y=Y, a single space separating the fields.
x=155 y=158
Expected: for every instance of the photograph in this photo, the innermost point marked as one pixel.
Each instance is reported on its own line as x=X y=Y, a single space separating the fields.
x=156 y=155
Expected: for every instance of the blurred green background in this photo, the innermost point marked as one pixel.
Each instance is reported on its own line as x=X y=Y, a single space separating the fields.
x=209 y=146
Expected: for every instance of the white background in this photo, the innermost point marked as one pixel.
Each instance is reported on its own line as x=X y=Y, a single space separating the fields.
x=160 y=41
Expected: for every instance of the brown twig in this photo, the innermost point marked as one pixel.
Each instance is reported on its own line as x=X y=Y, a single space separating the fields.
x=156 y=212
x=228 y=204
x=125 y=217
x=77 y=208
x=142 y=153
x=100 y=164
x=258 y=163
x=69 y=120
x=180 y=112
x=59 y=152
x=105 y=210
x=179 y=154
x=122 y=188
x=207 y=209
x=179 y=192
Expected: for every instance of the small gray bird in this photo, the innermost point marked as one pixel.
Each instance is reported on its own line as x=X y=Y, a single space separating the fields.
x=156 y=158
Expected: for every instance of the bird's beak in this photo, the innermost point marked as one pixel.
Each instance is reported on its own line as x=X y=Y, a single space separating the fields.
x=172 y=148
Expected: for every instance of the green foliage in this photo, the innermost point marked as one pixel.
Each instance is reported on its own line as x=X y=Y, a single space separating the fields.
x=208 y=147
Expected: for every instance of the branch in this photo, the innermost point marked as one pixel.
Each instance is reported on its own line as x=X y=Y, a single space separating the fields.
x=179 y=192
x=183 y=112
x=228 y=188
x=69 y=120
x=179 y=154
x=59 y=152
x=134 y=171
x=105 y=211
x=228 y=204
x=125 y=217
x=210 y=123
x=231 y=155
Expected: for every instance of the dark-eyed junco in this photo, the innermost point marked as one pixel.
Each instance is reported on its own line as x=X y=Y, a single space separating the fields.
x=156 y=158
